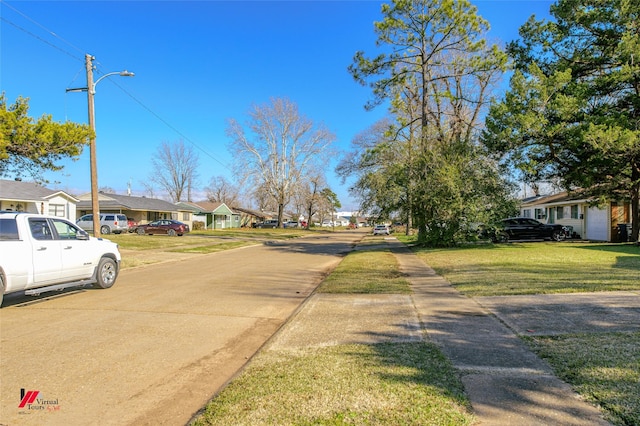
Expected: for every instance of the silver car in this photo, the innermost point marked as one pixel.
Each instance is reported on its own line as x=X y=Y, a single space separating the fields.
x=381 y=230
x=109 y=223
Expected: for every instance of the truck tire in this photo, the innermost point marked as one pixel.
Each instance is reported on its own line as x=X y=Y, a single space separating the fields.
x=106 y=273
x=1 y=289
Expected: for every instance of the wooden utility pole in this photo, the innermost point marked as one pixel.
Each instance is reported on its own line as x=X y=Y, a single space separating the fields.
x=95 y=204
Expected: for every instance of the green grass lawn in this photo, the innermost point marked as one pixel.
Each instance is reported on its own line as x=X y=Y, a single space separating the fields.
x=603 y=368
x=383 y=384
x=537 y=268
x=366 y=272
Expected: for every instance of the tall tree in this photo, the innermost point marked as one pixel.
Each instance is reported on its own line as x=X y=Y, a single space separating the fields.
x=279 y=149
x=572 y=111
x=175 y=170
x=220 y=190
x=436 y=69
x=310 y=198
x=31 y=147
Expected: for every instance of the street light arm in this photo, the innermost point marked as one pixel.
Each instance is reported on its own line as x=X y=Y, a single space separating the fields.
x=124 y=73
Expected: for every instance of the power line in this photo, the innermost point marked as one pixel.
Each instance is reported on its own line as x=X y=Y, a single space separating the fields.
x=80 y=59
x=42 y=27
x=40 y=38
x=169 y=125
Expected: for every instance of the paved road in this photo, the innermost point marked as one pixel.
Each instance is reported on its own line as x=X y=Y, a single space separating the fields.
x=154 y=348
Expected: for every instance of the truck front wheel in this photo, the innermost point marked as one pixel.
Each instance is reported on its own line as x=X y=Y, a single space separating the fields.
x=1 y=289
x=106 y=273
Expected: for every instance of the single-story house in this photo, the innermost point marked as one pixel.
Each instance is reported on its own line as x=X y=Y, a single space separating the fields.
x=594 y=223
x=31 y=197
x=248 y=217
x=213 y=215
x=141 y=209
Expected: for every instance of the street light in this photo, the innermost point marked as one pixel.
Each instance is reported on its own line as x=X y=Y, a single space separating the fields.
x=91 y=91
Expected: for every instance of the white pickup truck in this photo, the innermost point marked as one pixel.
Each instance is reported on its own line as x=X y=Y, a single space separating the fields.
x=44 y=253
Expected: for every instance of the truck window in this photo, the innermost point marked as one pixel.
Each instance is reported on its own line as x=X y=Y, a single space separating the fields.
x=8 y=229
x=64 y=230
x=40 y=229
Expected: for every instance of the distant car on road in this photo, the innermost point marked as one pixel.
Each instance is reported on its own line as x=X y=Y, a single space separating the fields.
x=525 y=228
x=168 y=227
x=381 y=230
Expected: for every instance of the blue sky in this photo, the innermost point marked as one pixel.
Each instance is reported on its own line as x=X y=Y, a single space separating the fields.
x=197 y=63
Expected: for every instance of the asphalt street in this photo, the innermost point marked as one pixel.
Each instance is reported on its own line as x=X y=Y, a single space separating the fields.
x=159 y=344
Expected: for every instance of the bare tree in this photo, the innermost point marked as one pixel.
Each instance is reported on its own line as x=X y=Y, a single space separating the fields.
x=174 y=169
x=220 y=190
x=281 y=148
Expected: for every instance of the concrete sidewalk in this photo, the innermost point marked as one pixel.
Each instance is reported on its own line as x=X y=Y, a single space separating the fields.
x=506 y=383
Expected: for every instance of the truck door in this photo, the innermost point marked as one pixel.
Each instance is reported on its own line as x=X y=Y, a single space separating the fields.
x=47 y=257
x=77 y=259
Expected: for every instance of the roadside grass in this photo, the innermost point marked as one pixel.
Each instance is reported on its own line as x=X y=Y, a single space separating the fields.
x=536 y=268
x=366 y=272
x=140 y=250
x=391 y=383
x=603 y=368
x=385 y=384
x=151 y=242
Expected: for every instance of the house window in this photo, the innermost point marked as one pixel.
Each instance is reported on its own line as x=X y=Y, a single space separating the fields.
x=574 y=212
x=540 y=214
x=560 y=213
x=57 y=210
x=185 y=216
x=526 y=213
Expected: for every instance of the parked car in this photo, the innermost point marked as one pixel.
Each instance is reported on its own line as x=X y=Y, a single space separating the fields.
x=132 y=225
x=168 y=227
x=525 y=228
x=291 y=224
x=271 y=223
x=109 y=223
x=381 y=230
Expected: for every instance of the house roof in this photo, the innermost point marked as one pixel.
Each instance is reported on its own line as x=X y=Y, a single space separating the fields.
x=559 y=198
x=117 y=201
x=206 y=207
x=15 y=190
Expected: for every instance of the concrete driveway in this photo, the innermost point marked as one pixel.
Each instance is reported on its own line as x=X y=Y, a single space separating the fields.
x=158 y=345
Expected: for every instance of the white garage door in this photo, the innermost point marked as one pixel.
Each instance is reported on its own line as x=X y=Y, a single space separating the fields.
x=597 y=224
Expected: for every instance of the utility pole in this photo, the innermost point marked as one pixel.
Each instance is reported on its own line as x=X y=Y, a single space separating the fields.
x=91 y=91
x=95 y=203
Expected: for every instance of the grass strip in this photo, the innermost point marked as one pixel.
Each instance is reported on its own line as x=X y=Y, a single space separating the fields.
x=367 y=272
x=386 y=384
x=603 y=368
